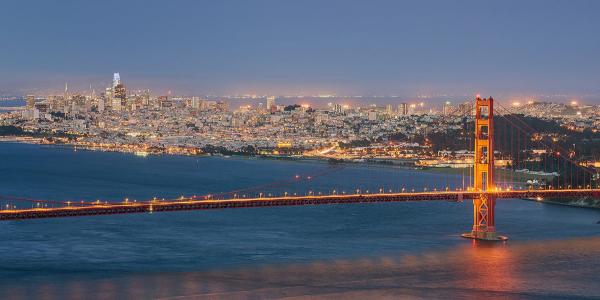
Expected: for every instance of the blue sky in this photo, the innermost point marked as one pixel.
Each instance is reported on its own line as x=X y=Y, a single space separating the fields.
x=304 y=47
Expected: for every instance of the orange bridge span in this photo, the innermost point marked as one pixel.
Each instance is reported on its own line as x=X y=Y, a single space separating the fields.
x=195 y=204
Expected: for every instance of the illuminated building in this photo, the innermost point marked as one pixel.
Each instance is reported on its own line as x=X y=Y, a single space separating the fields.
x=116 y=80
x=388 y=109
x=120 y=91
x=271 y=104
x=337 y=108
x=447 y=108
x=403 y=109
x=30 y=101
x=120 y=97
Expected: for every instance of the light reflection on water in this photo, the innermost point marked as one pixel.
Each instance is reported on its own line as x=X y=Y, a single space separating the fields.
x=551 y=269
x=392 y=250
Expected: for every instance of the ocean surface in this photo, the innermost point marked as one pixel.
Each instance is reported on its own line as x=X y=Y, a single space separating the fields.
x=358 y=251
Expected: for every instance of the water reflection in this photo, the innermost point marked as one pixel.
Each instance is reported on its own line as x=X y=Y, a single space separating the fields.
x=565 y=268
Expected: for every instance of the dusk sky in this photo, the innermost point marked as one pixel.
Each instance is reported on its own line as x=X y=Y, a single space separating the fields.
x=303 y=47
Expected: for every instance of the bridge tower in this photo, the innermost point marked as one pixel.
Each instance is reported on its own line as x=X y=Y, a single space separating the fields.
x=484 y=226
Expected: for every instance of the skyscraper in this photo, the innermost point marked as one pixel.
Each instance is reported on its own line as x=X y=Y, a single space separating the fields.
x=116 y=80
x=120 y=91
x=66 y=94
x=120 y=96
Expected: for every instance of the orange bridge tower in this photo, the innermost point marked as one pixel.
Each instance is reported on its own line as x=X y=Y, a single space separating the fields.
x=484 y=227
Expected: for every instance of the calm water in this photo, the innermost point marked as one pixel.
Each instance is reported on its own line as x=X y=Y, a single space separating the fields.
x=399 y=250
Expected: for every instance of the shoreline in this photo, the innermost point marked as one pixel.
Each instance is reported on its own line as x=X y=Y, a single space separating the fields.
x=386 y=164
x=570 y=204
x=382 y=163
x=402 y=164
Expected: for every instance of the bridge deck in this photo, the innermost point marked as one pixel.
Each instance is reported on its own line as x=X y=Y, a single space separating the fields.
x=193 y=204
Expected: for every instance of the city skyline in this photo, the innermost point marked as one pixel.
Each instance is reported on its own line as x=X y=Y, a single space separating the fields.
x=270 y=47
x=321 y=149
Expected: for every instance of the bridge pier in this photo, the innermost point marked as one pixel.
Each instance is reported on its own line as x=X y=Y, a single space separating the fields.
x=484 y=227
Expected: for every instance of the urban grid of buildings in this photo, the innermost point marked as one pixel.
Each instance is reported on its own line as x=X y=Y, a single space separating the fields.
x=136 y=121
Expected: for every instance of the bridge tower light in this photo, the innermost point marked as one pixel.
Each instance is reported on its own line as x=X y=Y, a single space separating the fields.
x=484 y=226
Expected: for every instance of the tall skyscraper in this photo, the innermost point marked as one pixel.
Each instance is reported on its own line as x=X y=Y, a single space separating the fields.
x=116 y=80
x=66 y=94
x=120 y=96
x=120 y=91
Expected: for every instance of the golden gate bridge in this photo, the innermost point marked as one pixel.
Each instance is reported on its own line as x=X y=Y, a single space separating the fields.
x=484 y=186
